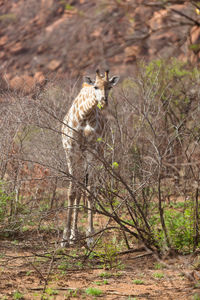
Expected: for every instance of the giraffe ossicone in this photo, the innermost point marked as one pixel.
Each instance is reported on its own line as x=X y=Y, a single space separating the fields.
x=84 y=123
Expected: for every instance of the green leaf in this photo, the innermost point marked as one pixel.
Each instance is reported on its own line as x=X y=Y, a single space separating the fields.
x=99 y=106
x=115 y=165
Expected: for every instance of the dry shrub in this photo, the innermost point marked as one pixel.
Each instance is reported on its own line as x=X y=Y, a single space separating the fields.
x=150 y=156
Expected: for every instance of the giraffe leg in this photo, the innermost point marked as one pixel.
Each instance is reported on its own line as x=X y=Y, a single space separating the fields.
x=67 y=229
x=74 y=229
x=90 y=230
x=84 y=193
x=76 y=170
x=71 y=199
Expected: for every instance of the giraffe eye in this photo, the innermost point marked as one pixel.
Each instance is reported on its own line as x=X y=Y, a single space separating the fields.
x=96 y=87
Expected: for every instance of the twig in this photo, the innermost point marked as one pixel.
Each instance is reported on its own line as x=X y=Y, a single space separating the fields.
x=161 y=5
x=142 y=255
x=132 y=250
x=38 y=271
x=185 y=16
x=57 y=288
x=48 y=274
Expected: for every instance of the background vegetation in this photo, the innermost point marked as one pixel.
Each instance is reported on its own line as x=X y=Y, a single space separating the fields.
x=147 y=183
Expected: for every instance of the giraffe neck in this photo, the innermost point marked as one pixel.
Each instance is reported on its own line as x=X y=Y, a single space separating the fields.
x=84 y=107
x=87 y=102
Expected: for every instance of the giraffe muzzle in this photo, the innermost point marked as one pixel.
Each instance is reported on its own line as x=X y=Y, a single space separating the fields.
x=104 y=100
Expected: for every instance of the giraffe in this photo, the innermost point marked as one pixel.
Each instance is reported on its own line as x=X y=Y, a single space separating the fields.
x=84 y=123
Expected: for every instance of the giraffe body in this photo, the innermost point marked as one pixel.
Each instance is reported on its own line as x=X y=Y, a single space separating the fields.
x=83 y=125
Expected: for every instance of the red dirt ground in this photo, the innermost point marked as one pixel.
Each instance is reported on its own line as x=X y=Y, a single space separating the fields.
x=138 y=276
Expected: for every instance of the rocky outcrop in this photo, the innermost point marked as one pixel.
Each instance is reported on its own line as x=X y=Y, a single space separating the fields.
x=44 y=37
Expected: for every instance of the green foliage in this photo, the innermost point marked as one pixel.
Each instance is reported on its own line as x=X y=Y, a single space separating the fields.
x=180 y=227
x=79 y=264
x=197 y=285
x=158 y=275
x=14 y=214
x=99 y=106
x=168 y=69
x=115 y=165
x=194 y=47
x=166 y=80
x=8 y=18
x=4 y=198
x=196 y=296
x=105 y=275
x=69 y=7
x=159 y=266
x=28 y=273
x=138 y=281
x=105 y=281
x=51 y=291
x=64 y=265
x=73 y=293
x=107 y=253
x=98 y=282
x=165 y=120
x=93 y=292
x=17 y=295
x=4 y=202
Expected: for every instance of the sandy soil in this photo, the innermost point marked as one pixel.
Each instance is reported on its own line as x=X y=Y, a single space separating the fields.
x=28 y=272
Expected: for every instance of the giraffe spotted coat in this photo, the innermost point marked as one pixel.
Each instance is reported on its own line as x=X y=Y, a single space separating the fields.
x=83 y=125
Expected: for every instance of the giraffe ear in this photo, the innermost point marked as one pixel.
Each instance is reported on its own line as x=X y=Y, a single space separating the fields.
x=88 y=80
x=114 y=80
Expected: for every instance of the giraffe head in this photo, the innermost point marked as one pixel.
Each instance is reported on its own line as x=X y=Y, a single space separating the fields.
x=102 y=85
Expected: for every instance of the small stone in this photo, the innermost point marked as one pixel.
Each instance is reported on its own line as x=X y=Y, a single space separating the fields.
x=24 y=83
x=131 y=53
x=41 y=49
x=156 y=22
x=39 y=77
x=17 y=48
x=54 y=65
x=3 y=40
